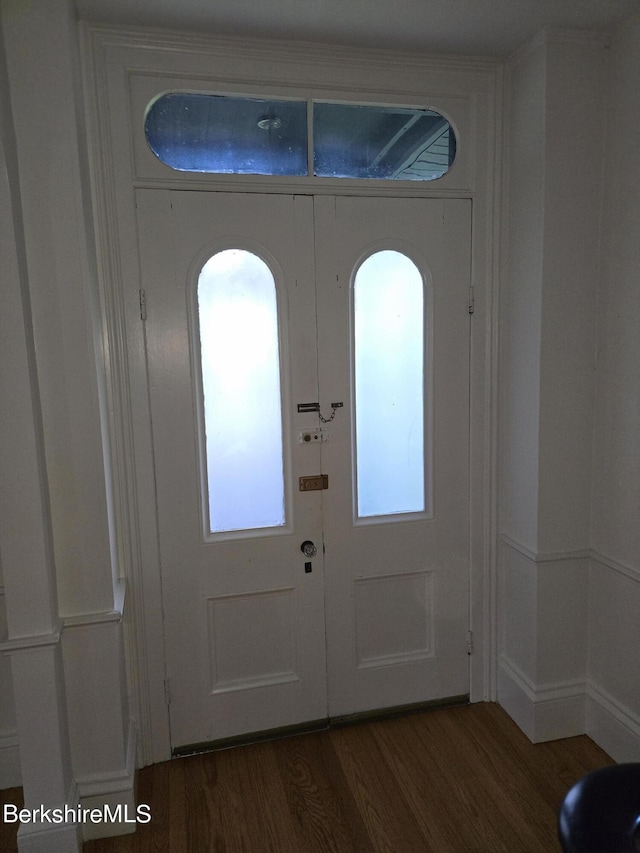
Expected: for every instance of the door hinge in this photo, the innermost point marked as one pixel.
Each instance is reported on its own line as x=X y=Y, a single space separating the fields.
x=472 y=301
x=469 y=642
x=167 y=691
x=143 y=304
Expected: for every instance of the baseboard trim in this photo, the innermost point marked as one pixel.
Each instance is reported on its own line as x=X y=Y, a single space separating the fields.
x=615 y=728
x=49 y=838
x=113 y=793
x=10 y=770
x=97 y=784
x=550 y=712
x=543 y=712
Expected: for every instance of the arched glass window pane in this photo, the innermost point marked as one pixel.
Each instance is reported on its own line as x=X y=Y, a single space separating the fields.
x=241 y=384
x=389 y=385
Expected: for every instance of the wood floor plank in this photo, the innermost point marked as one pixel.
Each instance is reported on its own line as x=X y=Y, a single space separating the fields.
x=457 y=780
x=324 y=812
x=176 y=806
x=10 y=797
x=455 y=809
x=248 y=804
x=374 y=789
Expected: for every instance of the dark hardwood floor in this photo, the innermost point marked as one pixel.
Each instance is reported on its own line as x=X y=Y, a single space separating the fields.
x=456 y=780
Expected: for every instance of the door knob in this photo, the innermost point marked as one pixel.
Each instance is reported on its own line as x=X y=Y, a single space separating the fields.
x=308 y=548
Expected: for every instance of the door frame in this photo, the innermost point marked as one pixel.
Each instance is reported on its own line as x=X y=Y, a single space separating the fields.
x=120 y=67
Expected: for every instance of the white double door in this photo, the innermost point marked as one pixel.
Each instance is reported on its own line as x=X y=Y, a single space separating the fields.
x=259 y=636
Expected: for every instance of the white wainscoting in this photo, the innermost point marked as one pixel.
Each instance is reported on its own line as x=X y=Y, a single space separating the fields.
x=570 y=646
x=613 y=694
x=102 y=737
x=543 y=712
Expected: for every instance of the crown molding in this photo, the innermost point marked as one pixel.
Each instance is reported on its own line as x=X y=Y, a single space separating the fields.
x=558 y=36
x=321 y=54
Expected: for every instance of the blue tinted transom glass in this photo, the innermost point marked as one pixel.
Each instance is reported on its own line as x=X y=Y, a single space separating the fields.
x=241 y=136
x=193 y=132
x=389 y=143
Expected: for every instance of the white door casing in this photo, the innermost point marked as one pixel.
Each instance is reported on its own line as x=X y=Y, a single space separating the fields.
x=244 y=623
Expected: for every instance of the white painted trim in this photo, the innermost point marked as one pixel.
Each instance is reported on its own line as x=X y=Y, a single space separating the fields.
x=49 y=837
x=630 y=572
x=615 y=728
x=330 y=56
x=98 y=790
x=544 y=712
x=105 y=784
x=554 y=35
x=131 y=460
x=10 y=769
x=102 y=618
x=35 y=641
x=543 y=692
x=15 y=644
x=550 y=711
x=550 y=557
x=109 y=56
x=523 y=682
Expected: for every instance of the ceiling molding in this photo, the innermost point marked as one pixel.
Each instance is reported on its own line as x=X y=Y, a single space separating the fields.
x=558 y=36
x=288 y=52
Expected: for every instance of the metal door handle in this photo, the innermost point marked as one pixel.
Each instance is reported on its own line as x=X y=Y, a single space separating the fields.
x=308 y=548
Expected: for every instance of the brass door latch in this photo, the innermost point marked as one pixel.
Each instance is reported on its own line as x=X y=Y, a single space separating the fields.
x=315 y=483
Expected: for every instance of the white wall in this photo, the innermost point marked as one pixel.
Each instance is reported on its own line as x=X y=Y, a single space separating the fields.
x=32 y=632
x=521 y=299
x=547 y=330
x=570 y=411
x=614 y=632
x=63 y=602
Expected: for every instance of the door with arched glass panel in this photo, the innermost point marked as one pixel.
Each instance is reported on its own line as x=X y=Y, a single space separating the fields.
x=308 y=376
x=393 y=343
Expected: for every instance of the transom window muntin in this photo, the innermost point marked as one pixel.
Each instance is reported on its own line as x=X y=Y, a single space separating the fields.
x=224 y=134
